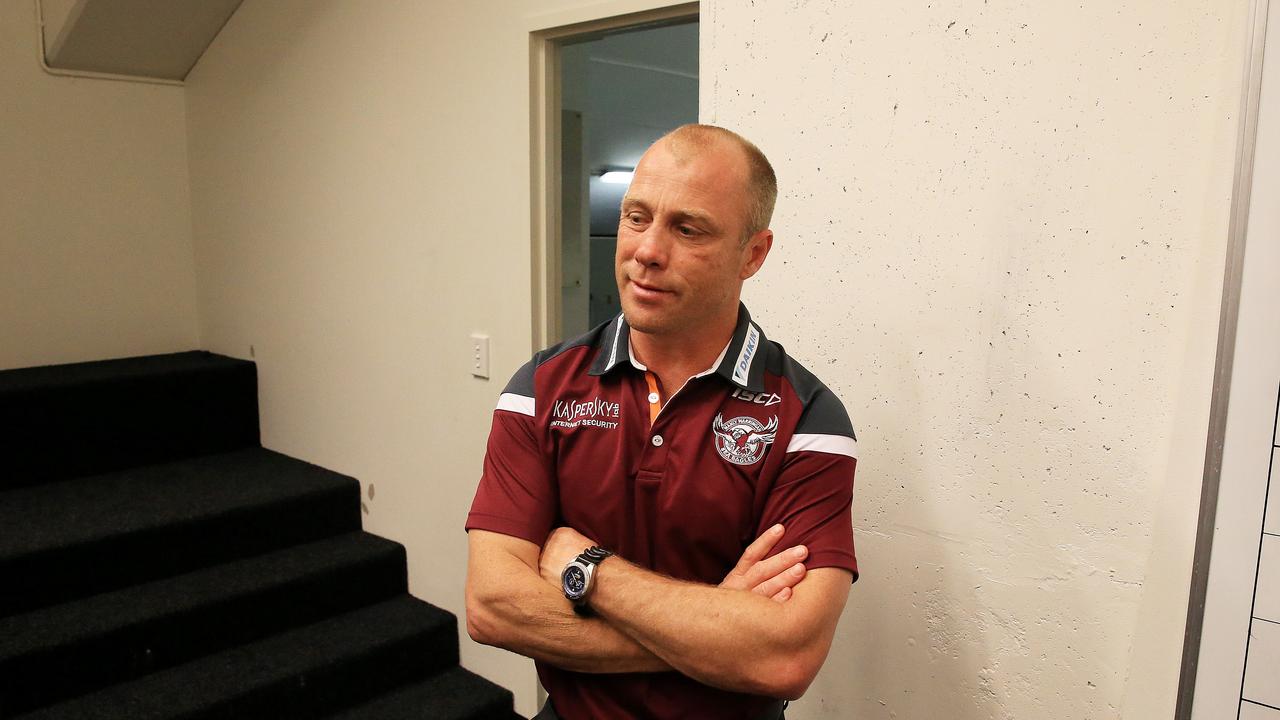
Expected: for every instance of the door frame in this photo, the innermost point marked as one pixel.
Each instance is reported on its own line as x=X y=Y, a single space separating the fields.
x=1246 y=141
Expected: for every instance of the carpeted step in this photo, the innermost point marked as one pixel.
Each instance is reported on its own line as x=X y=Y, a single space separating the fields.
x=455 y=694
x=301 y=673
x=64 y=421
x=65 y=650
x=79 y=537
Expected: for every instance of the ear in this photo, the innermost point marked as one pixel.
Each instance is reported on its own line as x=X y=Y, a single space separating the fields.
x=754 y=253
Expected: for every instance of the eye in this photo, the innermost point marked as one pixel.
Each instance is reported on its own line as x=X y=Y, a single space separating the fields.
x=686 y=231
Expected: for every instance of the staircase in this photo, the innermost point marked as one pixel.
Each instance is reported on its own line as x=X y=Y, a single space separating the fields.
x=157 y=562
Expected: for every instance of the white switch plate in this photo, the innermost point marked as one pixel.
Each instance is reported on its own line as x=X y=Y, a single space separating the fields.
x=478 y=346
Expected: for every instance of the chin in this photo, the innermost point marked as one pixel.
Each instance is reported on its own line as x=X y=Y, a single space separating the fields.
x=645 y=321
x=645 y=327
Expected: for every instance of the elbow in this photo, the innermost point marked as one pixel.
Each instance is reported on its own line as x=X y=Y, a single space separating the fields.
x=477 y=627
x=792 y=685
x=481 y=625
x=788 y=676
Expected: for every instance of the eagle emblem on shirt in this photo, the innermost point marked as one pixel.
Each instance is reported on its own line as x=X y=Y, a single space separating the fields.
x=743 y=440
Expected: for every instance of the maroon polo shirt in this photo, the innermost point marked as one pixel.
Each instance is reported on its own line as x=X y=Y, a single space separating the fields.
x=579 y=438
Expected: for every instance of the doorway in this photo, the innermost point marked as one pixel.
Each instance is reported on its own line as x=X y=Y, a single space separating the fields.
x=619 y=93
x=607 y=91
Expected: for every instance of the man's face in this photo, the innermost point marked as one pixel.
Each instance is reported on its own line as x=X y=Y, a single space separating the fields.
x=681 y=260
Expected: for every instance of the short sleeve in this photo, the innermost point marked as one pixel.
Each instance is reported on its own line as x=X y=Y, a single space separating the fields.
x=813 y=494
x=813 y=500
x=517 y=494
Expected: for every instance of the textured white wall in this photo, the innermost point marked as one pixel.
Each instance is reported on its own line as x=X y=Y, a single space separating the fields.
x=95 y=223
x=1000 y=240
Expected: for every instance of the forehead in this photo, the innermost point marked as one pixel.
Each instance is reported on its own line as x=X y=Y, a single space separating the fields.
x=712 y=178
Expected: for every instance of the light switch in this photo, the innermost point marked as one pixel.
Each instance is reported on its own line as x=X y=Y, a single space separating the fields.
x=479 y=349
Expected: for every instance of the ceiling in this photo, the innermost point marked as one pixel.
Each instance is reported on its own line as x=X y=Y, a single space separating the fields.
x=144 y=38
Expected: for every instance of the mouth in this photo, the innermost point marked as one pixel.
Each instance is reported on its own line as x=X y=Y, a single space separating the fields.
x=646 y=286
x=645 y=291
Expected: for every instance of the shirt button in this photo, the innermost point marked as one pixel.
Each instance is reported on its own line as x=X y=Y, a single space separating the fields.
x=657 y=441
x=653 y=398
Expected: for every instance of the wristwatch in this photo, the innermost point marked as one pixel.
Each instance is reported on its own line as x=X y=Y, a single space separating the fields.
x=577 y=576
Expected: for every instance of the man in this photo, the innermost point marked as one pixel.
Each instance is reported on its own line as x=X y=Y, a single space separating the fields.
x=679 y=439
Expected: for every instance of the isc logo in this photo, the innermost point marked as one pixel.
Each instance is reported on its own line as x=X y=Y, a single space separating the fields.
x=757 y=398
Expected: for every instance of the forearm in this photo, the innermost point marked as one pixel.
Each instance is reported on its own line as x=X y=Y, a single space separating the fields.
x=731 y=639
x=510 y=606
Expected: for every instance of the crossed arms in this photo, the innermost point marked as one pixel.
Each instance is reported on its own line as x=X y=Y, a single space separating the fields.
x=766 y=629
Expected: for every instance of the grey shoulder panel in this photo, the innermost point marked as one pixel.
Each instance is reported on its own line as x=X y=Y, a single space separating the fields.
x=522 y=382
x=823 y=414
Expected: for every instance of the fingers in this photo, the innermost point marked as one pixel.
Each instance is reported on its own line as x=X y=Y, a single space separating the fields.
x=782 y=595
x=784 y=580
x=776 y=565
x=758 y=549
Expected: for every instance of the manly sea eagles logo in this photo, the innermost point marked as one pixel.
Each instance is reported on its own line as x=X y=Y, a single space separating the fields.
x=743 y=440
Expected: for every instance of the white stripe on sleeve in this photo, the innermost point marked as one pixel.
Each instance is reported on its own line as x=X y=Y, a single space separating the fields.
x=834 y=444
x=522 y=404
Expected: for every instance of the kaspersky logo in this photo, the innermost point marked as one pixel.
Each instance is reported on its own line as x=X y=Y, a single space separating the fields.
x=592 y=413
x=743 y=440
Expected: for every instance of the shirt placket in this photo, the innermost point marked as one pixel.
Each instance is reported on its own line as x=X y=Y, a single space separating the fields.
x=653 y=466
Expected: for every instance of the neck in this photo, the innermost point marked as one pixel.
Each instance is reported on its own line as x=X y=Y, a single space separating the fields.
x=676 y=357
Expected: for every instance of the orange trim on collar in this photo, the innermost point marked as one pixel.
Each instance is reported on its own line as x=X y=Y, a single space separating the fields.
x=654 y=407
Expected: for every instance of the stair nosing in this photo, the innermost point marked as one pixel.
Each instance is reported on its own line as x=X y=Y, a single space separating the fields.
x=103 y=605
x=159 y=473
x=216 y=670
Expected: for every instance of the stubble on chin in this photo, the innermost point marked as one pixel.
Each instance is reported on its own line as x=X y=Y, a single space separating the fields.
x=638 y=322
x=647 y=323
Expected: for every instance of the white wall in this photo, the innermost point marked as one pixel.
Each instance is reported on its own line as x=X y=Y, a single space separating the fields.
x=1001 y=241
x=95 y=225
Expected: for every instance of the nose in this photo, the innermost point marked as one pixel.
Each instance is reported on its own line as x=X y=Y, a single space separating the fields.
x=651 y=248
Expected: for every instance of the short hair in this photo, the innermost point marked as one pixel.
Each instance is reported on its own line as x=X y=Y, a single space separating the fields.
x=762 y=184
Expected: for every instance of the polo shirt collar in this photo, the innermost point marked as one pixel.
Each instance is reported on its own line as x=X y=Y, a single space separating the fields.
x=740 y=363
x=614 y=346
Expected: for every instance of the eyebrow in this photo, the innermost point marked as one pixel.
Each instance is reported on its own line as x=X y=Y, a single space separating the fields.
x=631 y=200
x=696 y=216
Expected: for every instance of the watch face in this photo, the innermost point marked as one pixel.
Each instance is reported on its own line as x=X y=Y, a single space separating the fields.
x=574 y=581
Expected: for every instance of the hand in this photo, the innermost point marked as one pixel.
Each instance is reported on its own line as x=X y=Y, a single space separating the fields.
x=562 y=546
x=773 y=577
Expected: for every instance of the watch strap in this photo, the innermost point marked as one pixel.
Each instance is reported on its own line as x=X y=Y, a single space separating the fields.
x=594 y=555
